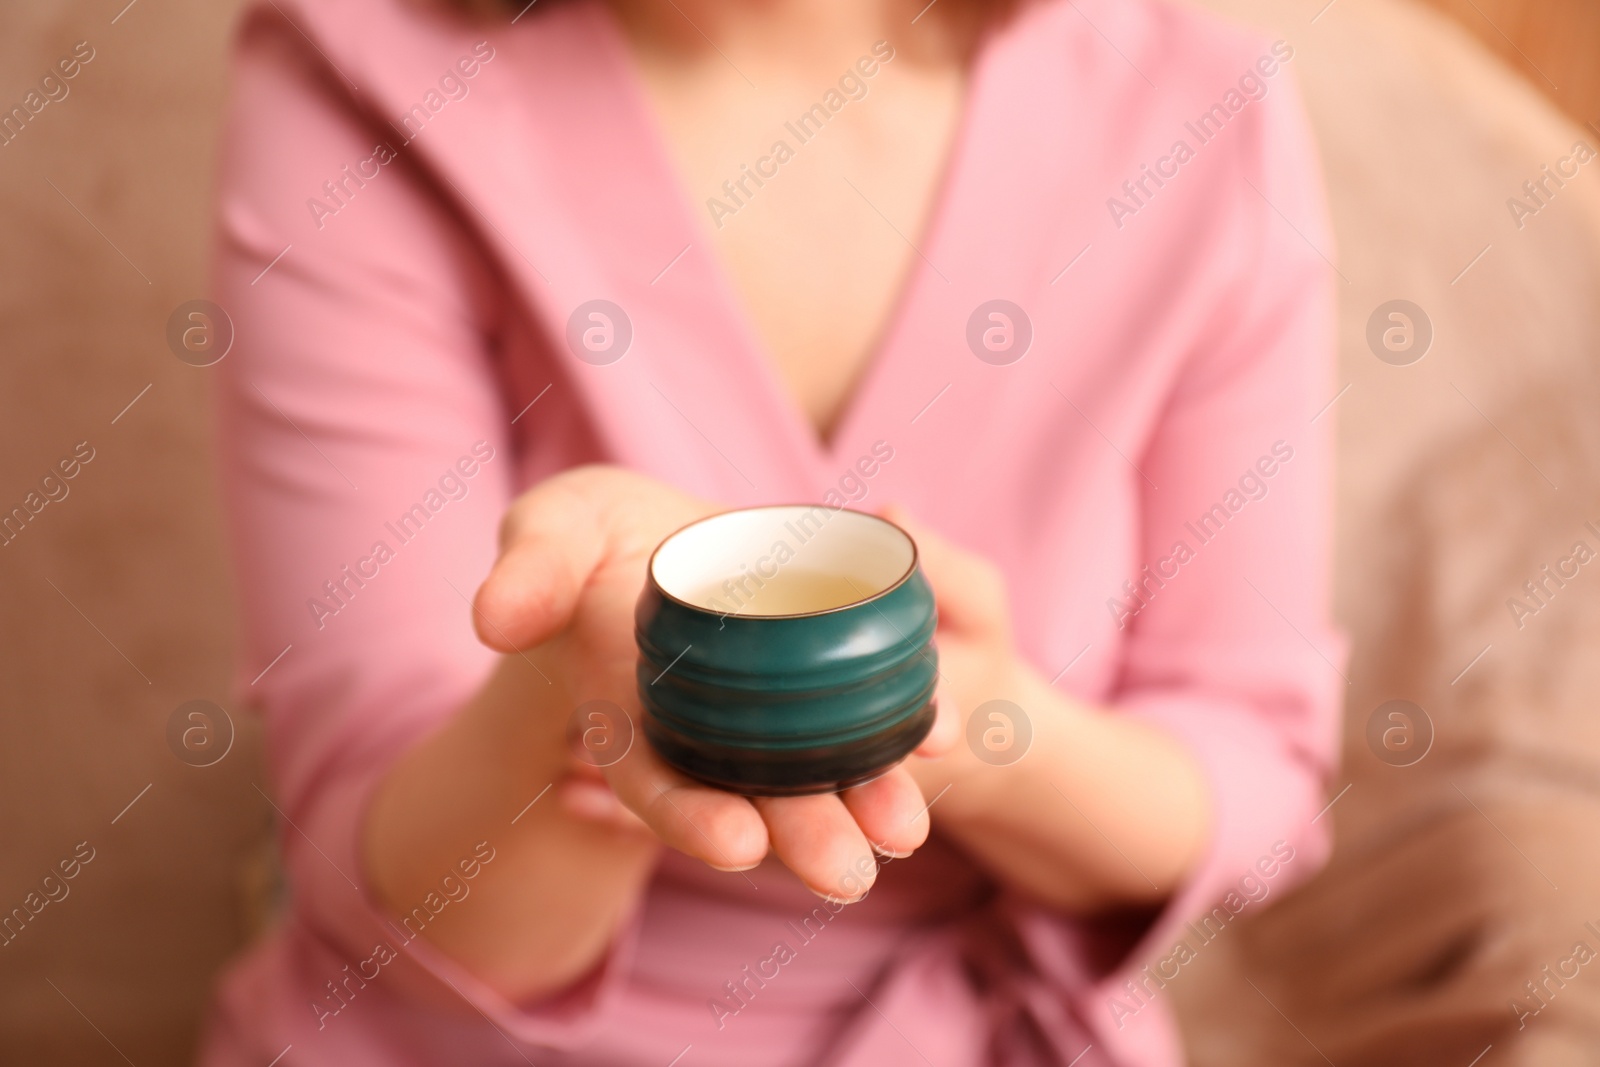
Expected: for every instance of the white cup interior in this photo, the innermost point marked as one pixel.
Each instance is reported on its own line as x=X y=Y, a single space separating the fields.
x=784 y=560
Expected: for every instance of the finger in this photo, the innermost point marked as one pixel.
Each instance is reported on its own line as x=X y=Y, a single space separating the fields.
x=969 y=590
x=592 y=800
x=716 y=827
x=890 y=811
x=817 y=838
x=551 y=541
x=557 y=535
x=941 y=740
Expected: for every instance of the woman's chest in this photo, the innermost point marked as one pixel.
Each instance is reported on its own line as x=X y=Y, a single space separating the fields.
x=813 y=193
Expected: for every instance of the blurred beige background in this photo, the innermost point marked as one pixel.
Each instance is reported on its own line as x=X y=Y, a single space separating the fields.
x=114 y=602
x=1555 y=44
x=130 y=564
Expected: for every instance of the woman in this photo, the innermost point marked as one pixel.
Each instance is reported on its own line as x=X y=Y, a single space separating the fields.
x=1044 y=281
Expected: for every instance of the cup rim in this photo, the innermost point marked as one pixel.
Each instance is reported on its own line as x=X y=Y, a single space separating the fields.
x=916 y=557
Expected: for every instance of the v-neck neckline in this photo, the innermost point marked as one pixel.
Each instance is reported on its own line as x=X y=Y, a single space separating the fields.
x=753 y=363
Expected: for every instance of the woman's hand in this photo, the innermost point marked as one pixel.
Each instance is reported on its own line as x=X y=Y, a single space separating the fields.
x=1084 y=809
x=978 y=662
x=574 y=551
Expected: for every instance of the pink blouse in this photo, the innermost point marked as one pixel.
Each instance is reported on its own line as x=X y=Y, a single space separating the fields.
x=416 y=215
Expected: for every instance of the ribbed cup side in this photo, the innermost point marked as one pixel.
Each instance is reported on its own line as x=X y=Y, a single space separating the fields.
x=833 y=680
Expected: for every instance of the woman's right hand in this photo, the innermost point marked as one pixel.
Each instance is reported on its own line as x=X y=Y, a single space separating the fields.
x=573 y=557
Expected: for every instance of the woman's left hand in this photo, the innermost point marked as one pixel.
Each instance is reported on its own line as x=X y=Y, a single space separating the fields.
x=1076 y=806
x=978 y=662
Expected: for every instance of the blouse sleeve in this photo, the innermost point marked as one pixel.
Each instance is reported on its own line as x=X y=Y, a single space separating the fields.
x=366 y=464
x=1233 y=651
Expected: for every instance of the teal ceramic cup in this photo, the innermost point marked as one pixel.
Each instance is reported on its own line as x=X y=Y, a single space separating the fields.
x=786 y=650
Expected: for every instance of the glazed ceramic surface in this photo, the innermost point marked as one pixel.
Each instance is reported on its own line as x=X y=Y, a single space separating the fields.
x=744 y=692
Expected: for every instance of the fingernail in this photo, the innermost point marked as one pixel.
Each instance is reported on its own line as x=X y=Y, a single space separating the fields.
x=831 y=899
x=734 y=870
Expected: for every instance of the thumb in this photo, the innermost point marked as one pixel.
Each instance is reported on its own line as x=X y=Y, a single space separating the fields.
x=552 y=539
x=946 y=724
x=969 y=590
